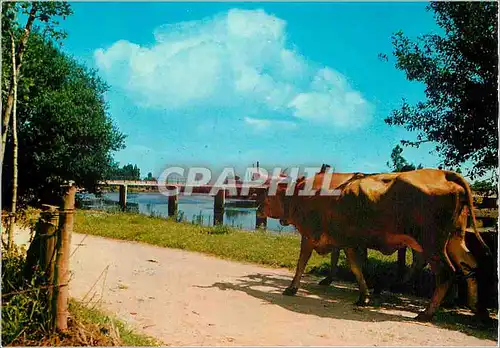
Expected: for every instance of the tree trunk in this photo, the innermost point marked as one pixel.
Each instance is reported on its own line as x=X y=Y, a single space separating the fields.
x=7 y=111
x=14 y=155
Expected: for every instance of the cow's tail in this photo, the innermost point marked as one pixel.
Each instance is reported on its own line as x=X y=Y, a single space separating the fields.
x=458 y=179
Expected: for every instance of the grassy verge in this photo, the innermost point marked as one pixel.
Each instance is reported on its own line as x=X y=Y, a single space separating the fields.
x=260 y=247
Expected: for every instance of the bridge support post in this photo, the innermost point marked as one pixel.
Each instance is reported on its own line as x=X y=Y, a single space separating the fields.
x=173 y=202
x=219 y=201
x=260 y=217
x=123 y=197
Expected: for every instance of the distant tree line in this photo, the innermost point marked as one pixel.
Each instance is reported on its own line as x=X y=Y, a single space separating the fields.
x=398 y=163
x=127 y=172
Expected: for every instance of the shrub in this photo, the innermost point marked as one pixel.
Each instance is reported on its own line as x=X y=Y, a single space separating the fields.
x=25 y=312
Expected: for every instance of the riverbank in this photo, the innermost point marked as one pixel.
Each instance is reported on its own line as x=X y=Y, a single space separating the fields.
x=238 y=213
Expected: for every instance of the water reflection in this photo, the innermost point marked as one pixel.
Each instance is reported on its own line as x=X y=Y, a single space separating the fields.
x=196 y=208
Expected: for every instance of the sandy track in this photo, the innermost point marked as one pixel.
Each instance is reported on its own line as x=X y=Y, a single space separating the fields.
x=186 y=298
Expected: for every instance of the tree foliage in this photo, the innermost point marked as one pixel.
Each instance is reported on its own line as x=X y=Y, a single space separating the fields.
x=44 y=12
x=65 y=132
x=485 y=187
x=460 y=71
x=398 y=163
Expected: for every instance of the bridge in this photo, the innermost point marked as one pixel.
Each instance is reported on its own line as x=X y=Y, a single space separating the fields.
x=197 y=189
x=255 y=192
x=128 y=183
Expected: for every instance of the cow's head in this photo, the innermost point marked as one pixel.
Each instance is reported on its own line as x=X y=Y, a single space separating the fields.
x=277 y=206
x=274 y=206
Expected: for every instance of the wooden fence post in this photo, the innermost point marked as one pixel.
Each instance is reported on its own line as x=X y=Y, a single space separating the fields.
x=123 y=197
x=61 y=269
x=219 y=201
x=41 y=251
x=173 y=202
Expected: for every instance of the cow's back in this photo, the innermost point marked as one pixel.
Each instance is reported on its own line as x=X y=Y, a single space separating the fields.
x=336 y=179
x=410 y=203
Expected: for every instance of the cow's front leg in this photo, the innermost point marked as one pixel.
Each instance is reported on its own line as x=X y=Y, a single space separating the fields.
x=364 y=295
x=306 y=248
x=333 y=267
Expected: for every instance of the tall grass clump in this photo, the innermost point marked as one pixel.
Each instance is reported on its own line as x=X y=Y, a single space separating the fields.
x=25 y=312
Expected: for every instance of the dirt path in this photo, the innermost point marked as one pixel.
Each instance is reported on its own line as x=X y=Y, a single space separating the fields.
x=186 y=298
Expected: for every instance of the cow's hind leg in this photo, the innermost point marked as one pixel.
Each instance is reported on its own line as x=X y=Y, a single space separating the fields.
x=333 y=267
x=409 y=278
x=306 y=249
x=466 y=263
x=444 y=278
x=364 y=295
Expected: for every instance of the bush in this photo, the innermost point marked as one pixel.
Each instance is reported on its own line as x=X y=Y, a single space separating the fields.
x=25 y=311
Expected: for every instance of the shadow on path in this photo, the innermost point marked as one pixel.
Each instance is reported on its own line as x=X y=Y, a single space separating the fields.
x=337 y=302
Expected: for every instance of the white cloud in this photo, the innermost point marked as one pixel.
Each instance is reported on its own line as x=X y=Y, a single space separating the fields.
x=236 y=60
x=263 y=124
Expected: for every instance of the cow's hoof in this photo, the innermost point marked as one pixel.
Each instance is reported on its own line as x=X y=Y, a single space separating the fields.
x=290 y=291
x=424 y=317
x=326 y=281
x=363 y=301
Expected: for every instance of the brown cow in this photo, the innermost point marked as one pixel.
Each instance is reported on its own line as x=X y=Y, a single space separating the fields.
x=425 y=210
x=336 y=180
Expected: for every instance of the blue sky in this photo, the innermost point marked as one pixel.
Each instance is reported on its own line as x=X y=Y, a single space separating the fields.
x=229 y=84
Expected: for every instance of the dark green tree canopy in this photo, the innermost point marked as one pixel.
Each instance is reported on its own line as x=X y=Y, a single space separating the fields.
x=460 y=71
x=65 y=132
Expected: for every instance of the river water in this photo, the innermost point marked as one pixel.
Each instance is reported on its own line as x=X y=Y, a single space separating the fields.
x=194 y=208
